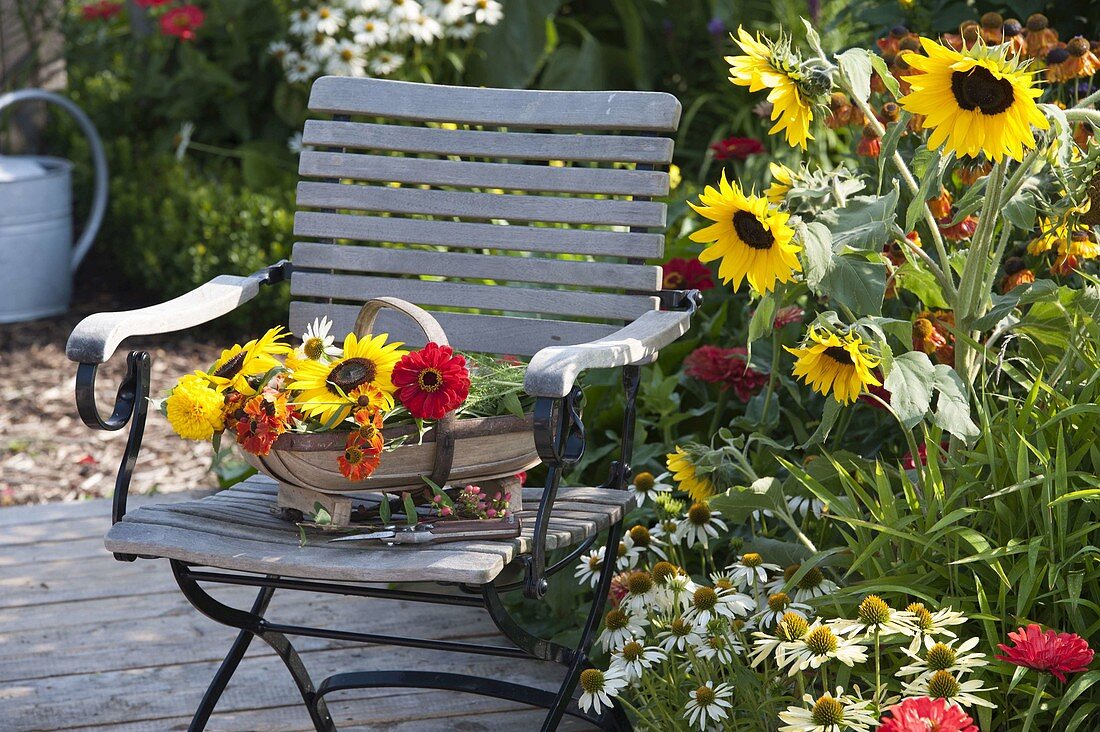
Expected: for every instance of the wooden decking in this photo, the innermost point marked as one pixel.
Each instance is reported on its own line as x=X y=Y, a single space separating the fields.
x=88 y=643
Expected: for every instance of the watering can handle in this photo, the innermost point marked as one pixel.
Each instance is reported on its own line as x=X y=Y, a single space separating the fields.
x=99 y=160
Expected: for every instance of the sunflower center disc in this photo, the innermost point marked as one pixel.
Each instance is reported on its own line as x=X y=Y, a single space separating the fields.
x=979 y=89
x=352 y=373
x=840 y=355
x=429 y=380
x=751 y=231
x=230 y=368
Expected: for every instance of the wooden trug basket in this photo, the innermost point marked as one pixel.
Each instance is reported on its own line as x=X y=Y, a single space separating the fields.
x=476 y=450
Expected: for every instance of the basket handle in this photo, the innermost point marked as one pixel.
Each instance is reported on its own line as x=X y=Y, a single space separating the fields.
x=433 y=331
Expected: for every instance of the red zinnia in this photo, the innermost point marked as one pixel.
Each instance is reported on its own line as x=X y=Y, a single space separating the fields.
x=152 y=3
x=432 y=381
x=1058 y=653
x=686 y=274
x=182 y=22
x=358 y=461
x=104 y=10
x=923 y=714
x=727 y=367
x=736 y=147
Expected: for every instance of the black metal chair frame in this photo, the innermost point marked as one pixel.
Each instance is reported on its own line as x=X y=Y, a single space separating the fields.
x=560 y=439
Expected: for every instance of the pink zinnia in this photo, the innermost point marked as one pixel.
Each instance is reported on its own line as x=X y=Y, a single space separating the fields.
x=182 y=22
x=727 y=367
x=1058 y=653
x=104 y=9
x=923 y=714
x=686 y=274
x=618 y=589
x=736 y=147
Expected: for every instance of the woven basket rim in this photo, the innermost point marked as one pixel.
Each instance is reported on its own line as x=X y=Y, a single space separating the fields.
x=336 y=440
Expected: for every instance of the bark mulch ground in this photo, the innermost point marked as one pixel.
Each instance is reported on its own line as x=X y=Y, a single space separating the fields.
x=48 y=454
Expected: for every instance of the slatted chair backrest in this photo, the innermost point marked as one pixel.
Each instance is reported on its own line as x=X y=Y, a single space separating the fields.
x=522 y=219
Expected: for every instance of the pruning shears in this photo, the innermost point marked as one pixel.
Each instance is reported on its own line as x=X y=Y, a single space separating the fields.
x=426 y=533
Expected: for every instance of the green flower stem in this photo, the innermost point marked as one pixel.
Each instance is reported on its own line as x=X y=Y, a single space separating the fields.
x=912 y=443
x=772 y=377
x=937 y=272
x=1077 y=114
x=719 y=407
x=1036 y=698
x=878 y=675
x=1088 y=101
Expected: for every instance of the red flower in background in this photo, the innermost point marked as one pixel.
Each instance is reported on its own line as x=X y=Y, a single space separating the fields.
x=923 y=714
x=788 y=315
x=726 y=367
x=432 y=381
x=1058 y=653
x=736 y=147
x=182 y=22
x=152 y=3
x=102 y=10
x=686 y=274
x=879 y=391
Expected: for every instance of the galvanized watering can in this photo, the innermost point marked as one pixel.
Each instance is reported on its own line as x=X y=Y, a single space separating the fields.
x=37 y=256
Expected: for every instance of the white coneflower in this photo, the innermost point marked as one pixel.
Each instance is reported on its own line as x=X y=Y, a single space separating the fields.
x=829 y=713
x=680 y=590
x=386 y=63
x=447 y=11
x=708 y=703
x=719 y=644
x=791 y=628
x=488 y=12
x=302 y=22
x=645 y=487
x=776 y=605
x=700 y=524
x=819 y=645
x=708 y=603
x=750 y=571
x=944 y=657
x=805 y=505
x=627 y=555
x=347 y=60
x=875 y=616
x=598 y=688
x=813 y=584
x=328 y=19
x=589 y=567
x=664 y=531
x=641 y=592
x=678 y=635
x=634 y=658
x=619 y=627
x=317 y=341
x=299 y=69
x=369 y=32
x=931 y=625
x=403 y=10
x=946 y=685
x=644 y=541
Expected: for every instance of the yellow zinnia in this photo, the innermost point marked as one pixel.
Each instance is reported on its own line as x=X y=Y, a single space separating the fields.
x=751 y=238
x=782 y=179
x=829 y=361
x=979 y=101
x=768 y=66
x=683 y=472
x=194 y=409
x=255 y=358
x=326 y=388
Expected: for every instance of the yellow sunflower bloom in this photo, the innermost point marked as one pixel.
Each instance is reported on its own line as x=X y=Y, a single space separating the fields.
x=751 y=238
x=782 y=180
x=683 y=472
x=830 y=362
x=326 y=389
x=765 y=66
x=1051 y=234
x=974 y=102
x=194 y=408
x=254 y=358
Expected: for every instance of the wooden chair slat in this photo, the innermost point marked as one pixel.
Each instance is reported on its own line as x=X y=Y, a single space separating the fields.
x=485 y=206
x=478 y=236
x=598 y=110
x=381 y=260
x=466 y=331
x=609 y=306
x=465 y=174
x=479 y=143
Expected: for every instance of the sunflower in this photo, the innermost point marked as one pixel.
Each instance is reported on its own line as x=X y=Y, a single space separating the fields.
x=974 y=102
x=829 y=361
x=326 y=388
x=773 y=66
x=751 y=238
x=255 y=358
x=683 y=472
x=782 y=180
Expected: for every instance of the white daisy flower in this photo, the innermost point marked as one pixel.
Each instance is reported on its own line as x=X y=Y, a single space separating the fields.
x=386 y=63
x=366 y=6
x=302 y=22
x=369 y=32
x=708 y=603
x=791 y=628
x=829 y=713
x=299 y=69
x=944 y=657
x=641 y=592
x=317 y=341
x=644 y=541
x=719 y=645
x=320 y=48
x=403 y=10
x=708 y=704
x=598 y=688
x=294 y=143
x=678 y=635
x=819 y=645
x=346 y=60
x=461 y=29
x=628 y=554
x=645 y=486
x=805 y=505
x=875 y=616
x=772 y=609
x=278 y=49
x=664 y=531
x=447 y=11
x=931 y=625
x=679 y=591
x=813 y=584
x=619 y=628
x=634 y=658
x=750 y=571
x=328 y=19
x=424 y=29
x=700 y=524
x=945 y=685
x=589 y=568
x=488 y=12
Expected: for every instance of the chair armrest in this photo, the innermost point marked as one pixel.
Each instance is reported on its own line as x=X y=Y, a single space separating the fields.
x=96 y=337
x=553 y=370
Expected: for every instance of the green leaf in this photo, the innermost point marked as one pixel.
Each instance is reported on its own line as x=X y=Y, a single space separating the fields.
x=321 y=514
x=910 y=385
x=952 y=412
x=737 y=504
x=858 y=284
x=890 y=140
x=855 y=64
x=864 y=223
x=828 y=419
x=511 y=402
x=888 y=79
x=921 y=283
x=930 y=184
x=763 y=319
x=1020 y=210
x=511 y=54
x=384 y=512
x=817 y=253
x=410 y=509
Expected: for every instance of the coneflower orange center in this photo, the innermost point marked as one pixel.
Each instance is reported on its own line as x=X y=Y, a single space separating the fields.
x=751 y=231
x=979 y=89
